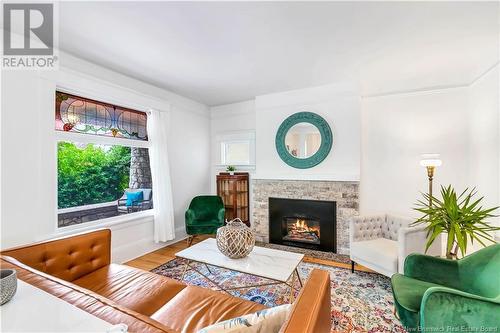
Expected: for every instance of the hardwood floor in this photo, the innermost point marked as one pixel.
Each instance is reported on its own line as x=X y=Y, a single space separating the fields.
x=167 y=253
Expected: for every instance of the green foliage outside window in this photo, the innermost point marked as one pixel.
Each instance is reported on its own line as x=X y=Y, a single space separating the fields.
x=91 y=174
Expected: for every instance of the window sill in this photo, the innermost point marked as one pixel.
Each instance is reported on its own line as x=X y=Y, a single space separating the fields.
x=86 y=207
x=238 y=167
x=115 y=222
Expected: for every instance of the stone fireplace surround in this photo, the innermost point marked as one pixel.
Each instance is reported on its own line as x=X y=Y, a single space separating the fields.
x=346 y=194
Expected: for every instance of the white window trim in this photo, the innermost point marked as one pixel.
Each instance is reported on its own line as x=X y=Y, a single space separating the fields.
x=235 y=136
x=77 y=83
x=100 y=140
x=128 y=219
x=86 y=207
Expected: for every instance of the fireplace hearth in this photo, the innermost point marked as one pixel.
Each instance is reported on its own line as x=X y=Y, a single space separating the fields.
x=303 y=223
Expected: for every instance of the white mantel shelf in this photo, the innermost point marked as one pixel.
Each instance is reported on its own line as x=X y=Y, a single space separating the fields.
x=309 y=177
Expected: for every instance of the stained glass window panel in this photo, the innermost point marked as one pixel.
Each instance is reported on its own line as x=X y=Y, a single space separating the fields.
x=83 y=115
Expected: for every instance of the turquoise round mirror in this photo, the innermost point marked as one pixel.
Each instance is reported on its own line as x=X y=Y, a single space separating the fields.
x=304 y=140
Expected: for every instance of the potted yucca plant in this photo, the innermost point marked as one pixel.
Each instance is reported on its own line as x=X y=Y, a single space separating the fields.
x=461 y=217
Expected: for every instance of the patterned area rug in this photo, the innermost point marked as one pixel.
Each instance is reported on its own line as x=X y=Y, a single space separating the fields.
x=361 y=302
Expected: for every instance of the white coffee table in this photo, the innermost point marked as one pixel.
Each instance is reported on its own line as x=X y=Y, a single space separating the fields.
x=275 y=265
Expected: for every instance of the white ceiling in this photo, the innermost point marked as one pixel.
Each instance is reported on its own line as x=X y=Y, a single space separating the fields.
x=222 y=52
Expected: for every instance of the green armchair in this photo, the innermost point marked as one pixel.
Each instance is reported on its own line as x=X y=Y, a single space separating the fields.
x=442 y=295
x=204 y=216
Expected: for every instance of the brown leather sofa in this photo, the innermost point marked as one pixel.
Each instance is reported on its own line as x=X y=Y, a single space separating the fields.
x=78 y=269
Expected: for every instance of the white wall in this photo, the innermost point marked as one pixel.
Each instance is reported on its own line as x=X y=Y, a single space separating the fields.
x=229 y=118
x=189 y=157
x=462 y=124
x=28 y=151
x=484 y=138
x=233 y=117
x=28 y=208
x=396 y=130
x=339 y=106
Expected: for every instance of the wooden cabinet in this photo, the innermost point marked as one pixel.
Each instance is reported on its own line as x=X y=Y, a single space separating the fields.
x=234 y=191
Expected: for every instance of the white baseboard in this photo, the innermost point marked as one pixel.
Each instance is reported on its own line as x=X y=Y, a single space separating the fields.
x=143 y=246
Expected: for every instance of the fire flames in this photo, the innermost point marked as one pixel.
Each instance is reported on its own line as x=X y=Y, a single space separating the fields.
x=302 y=226
x=299 y=230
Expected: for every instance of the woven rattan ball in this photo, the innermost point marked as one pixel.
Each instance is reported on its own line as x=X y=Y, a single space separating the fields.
x=235 y=240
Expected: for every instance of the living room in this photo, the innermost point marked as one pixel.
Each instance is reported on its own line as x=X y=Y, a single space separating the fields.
x=339 y=148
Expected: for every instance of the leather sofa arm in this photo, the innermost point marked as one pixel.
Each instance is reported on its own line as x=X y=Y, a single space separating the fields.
x=432 y=269
x=445 y=309
x=84 y=299
x=311 y=312
x=67 y=258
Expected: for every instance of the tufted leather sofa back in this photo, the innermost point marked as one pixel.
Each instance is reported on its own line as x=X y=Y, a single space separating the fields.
x=67 y=258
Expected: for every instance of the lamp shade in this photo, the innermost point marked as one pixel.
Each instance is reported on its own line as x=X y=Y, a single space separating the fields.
x=430 y=160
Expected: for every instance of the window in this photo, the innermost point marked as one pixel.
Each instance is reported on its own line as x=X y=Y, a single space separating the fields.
x=102 y=160
x=237 y=148
x=235 y=153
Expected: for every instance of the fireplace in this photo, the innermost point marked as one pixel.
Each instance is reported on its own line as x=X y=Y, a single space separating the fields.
x=302 y=229
x=302 y=223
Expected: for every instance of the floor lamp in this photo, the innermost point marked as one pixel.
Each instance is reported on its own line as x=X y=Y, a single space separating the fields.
x=430 y=162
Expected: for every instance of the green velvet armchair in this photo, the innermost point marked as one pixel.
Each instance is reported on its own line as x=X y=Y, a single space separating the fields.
x=204 y=216
x=442 y=295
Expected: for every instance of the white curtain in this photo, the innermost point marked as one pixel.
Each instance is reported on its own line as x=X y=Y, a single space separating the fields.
x=164 y=228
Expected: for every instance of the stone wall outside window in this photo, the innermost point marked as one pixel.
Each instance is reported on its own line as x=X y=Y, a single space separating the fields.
x=140 y=172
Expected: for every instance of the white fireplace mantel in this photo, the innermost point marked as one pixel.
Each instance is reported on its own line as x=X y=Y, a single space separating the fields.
x=334 y=177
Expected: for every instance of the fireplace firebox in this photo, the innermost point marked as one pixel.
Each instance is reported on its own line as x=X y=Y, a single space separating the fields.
x=303 y=223
x=302 y=229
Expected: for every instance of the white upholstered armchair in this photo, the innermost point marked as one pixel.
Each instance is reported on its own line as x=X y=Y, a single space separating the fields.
x=382 y=242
